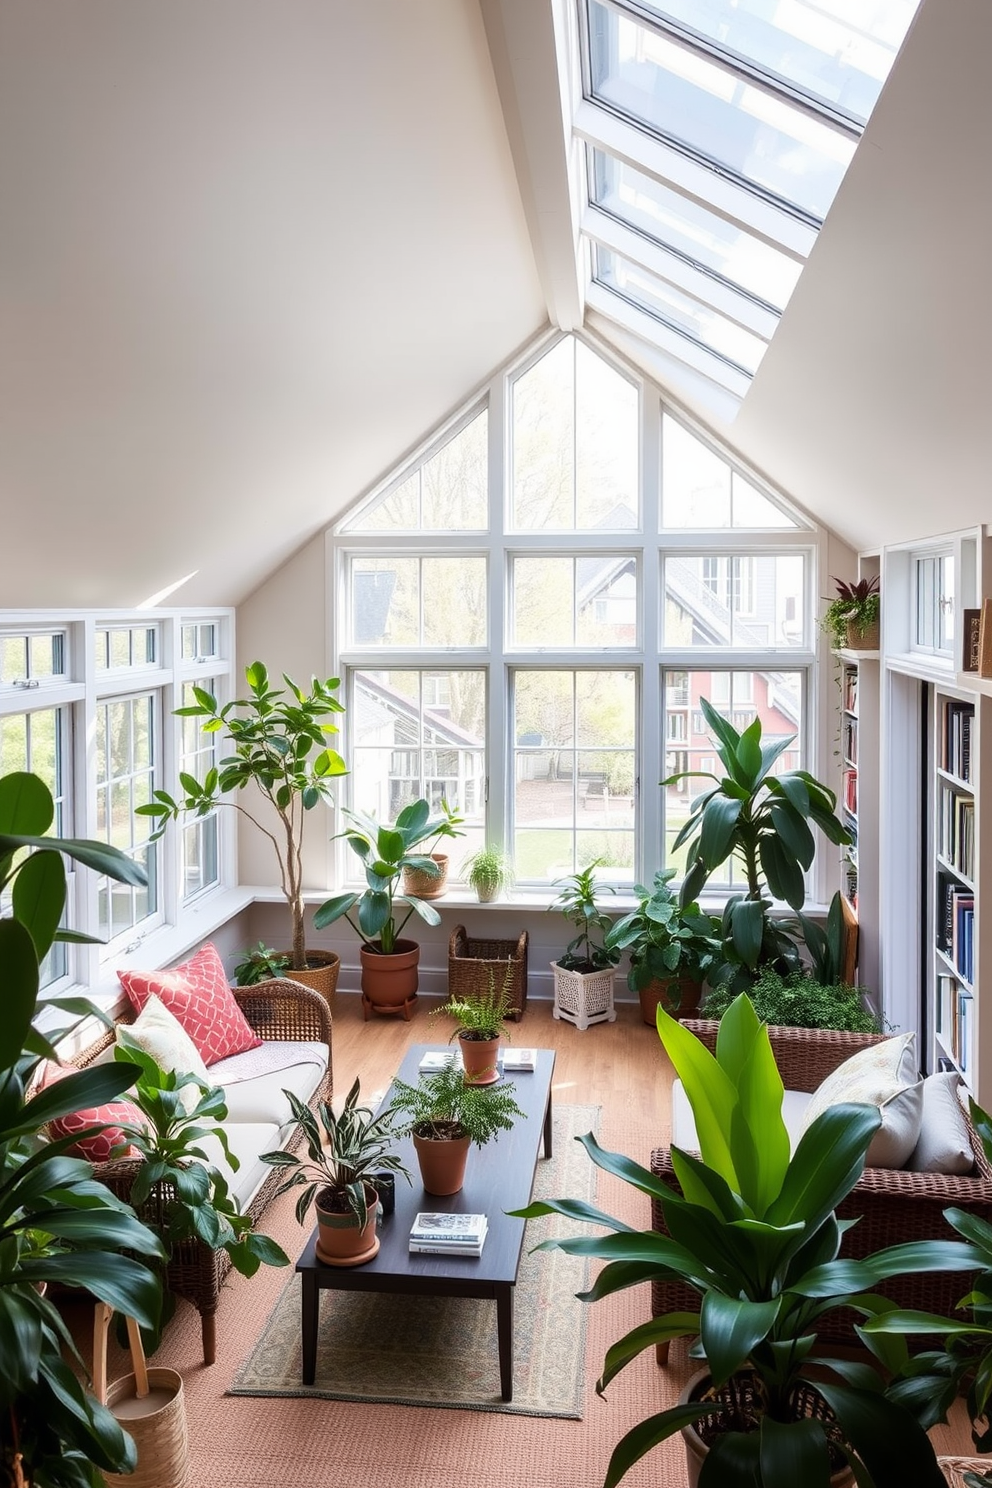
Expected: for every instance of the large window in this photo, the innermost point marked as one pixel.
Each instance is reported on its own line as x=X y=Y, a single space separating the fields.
x=34 y=741
x=545 y=675
x=126 y=762
x=198 y=754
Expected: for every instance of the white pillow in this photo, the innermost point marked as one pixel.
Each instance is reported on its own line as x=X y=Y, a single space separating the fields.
x=159 y=1033
x=944 y=1145
x=883 y=1075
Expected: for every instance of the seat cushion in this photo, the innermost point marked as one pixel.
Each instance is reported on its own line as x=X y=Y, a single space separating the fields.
x=684 y=1126
x=197 y=993
x=254 y=1082
x=247 y=1141
x=885 y=1075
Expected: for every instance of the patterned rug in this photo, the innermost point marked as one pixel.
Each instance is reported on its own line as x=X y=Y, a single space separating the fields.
x=441 y=1351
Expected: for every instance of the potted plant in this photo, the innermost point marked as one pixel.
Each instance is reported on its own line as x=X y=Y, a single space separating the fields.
x=260 y=963
x=59 y=1224
x=763 y=820
x=583 y=973
x=851 y=620
x=336 y=1177
x=489 y=871
x=753 y=1232
x=445 y=1116
x=428 y=877
x=799 y=1000
x=280 y=751
x=480 y=1023
x=176 y=1189
x=389 y=963
x=672 y=948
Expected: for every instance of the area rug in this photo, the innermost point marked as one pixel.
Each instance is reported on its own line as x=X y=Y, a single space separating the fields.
x=441 y=1351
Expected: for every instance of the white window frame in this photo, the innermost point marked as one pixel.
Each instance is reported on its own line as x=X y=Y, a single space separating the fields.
x=649 y=657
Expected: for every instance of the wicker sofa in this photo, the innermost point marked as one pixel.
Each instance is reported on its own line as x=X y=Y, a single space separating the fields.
x=892 y=1206
x=279 y=1011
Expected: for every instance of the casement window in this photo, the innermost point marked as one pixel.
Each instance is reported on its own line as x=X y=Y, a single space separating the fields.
x=35 y=741
x=199 y=752
x=127 y=751
x=528 y=612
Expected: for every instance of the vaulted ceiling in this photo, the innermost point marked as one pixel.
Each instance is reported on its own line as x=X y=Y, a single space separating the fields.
x=250 y=252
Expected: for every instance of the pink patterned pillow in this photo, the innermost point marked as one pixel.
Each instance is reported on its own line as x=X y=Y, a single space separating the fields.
x=111 y=1142
x=198 y=996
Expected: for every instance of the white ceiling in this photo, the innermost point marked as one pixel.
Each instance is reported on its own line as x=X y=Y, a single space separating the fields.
x=252 y=250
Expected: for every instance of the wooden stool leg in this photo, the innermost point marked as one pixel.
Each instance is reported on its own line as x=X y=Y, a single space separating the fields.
x=661 y=1353
x=208 y=1333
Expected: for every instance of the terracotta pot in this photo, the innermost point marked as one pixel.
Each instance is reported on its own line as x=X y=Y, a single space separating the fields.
x=321 y=972
x=677 y=995
x=421 y=885
x=696 y=1449
x=389 y=983
x=480 y=1059
x=340 y=1240
x=442 y=1164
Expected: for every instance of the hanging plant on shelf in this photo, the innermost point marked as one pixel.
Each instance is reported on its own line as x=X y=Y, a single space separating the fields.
x=851 y=619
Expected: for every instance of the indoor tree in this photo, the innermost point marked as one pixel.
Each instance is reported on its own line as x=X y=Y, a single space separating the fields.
x=280 y=748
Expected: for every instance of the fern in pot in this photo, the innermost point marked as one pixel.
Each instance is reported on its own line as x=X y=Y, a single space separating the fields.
x=445 y=1115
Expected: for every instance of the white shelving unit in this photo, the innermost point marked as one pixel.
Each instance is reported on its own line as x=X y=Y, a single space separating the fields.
x=858 y=801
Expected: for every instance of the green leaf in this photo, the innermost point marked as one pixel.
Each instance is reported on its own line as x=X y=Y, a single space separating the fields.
x=333 y=909
x=729 y=1329
x=784 y=875
x=826 y=1165
x=747 y=928
x=710 y=1092
x=893 y=1447
x=793 y=1452
x=26 y=805
x=95 y=855
x=19 y=962
x=38 y=898
x=719 y=823
x=650 y=1433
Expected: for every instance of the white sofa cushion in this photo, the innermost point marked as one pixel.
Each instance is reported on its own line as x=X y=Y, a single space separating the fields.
x=794 y=1105
x=247 y=1141
x=254 y=1082
x=944 y=1145
x=885 y=1075
x=159 y=1034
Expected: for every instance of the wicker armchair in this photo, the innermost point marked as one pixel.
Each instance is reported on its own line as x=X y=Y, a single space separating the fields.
x=892 y=1206
x=276 y=1009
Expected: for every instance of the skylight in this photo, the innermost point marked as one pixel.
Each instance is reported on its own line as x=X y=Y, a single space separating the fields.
x=717 y=133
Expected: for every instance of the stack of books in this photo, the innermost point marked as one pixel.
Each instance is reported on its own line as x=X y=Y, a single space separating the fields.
x=449 y=1234
x=438 y=1059
x=518 y=1059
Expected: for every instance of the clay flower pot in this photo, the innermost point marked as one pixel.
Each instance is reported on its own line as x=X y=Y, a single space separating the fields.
x=480 y=1059
x=442 y=1163
x=340 y=1240
x=389 y=983
x=677 y=995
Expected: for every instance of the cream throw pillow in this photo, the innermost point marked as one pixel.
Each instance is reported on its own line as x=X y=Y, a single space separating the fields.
x=945 y=1144
x=160 y=1034
x=883 y=1075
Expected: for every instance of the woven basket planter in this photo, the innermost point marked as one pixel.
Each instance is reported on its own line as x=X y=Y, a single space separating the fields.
x=472 y=962
x=583 y=997
x=863 y=639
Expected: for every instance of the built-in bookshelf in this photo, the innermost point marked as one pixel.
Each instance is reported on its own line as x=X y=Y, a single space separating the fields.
x=954 y=899
x=858 y=803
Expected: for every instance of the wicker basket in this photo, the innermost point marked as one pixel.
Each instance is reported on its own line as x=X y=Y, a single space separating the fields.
x=954 y=1468
x=472 y=962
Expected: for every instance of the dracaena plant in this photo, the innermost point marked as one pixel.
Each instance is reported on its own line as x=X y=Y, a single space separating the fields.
x=754 y=1233
x=279 y=740
x=763 y=821
x=176 y=1187
x=56 y=1223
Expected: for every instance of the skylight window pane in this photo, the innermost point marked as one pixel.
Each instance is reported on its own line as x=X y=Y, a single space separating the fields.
x=679 y=311
x=673 y=221
x=838 y=51
x=706 y=108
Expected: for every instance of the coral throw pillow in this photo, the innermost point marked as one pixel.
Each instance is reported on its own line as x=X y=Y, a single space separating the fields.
x=106 y=1144
x=198 y=996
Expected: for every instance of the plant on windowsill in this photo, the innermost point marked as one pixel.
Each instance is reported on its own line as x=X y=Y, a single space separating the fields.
x=444 y=1115
x=583 y=973
x=851 y=619
x=280 y=750
x=763 y=821
x=671 y=948
x=59 y=1225
x=489 y=871
x=175 y=1188
x=480 y=1021
x=337 y=1177
x=752 y=1230
x=389 y=963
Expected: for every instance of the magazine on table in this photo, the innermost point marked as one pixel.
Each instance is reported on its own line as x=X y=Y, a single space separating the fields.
x=518 y=1059
x=449 y=1229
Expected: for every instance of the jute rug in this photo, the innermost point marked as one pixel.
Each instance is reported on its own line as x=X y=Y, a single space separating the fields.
x=442 y=1351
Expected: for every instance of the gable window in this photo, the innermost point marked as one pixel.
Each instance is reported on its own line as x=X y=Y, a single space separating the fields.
x=542 y=679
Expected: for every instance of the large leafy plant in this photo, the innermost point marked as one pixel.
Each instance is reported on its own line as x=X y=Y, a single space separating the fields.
x=280 y=750
x=56 y=1223
x=339 y=1173
x=755 y=1235
x=664 y=937
x=176 y=1188
x=763 y=821
x=385 y=851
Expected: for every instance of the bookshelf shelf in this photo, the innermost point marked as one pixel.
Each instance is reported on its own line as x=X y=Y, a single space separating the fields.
x=858 y=678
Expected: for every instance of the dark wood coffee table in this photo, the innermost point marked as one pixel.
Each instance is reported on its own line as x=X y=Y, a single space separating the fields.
x=499 y=1177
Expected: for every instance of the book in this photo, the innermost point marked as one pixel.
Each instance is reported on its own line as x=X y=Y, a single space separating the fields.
x=985 y=640
x=970 y=639
x=438 y=1059
x=433 y=1247
x=455 y=1228
x=519 y=1059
